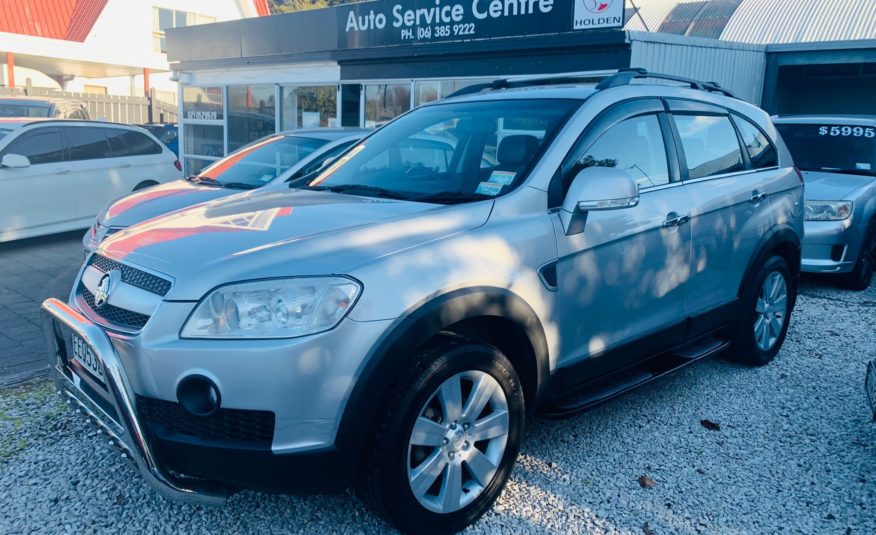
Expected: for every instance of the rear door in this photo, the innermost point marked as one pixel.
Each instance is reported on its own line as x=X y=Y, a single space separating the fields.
x=141 y=157
x=42 y=194
x=730 y=205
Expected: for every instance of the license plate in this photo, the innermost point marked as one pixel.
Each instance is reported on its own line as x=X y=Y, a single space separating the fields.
x=83 y=355
x=870 y=386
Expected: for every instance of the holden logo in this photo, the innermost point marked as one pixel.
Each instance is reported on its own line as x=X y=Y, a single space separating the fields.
x=105 y=287
x=596 y=6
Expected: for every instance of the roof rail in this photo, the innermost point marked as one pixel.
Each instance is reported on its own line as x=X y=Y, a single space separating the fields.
x=620 y=78
x=626 y=76
x=526 y=81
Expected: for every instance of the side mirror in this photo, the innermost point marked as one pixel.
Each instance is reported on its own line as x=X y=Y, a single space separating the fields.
x=596 y=189
x=14 y=161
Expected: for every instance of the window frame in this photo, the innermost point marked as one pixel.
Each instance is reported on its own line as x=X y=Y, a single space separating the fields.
x=735 y=118
x=604 y=121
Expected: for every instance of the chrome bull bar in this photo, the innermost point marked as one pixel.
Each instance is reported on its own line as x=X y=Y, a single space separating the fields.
x=128 y=433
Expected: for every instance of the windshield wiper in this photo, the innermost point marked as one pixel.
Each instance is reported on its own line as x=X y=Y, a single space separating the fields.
x=452 y=197
x=237 y=185
x=210 y=181
x=364 y=189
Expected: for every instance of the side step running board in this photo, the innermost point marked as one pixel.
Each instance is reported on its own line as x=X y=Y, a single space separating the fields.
x=603 y=389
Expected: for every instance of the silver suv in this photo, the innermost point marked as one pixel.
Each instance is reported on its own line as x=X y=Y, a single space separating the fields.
x=388 y=324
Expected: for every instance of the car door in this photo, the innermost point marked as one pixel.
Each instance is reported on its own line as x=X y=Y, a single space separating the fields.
x=141 y=158
x=622 y=278
x=41 y=195
x=92 y=169
x=731 y=208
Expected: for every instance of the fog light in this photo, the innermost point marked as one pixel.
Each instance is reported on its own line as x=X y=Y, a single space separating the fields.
x=198 y=395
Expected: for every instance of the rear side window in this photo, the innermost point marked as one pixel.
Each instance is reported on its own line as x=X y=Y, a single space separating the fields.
x=40 y=146
x=130 y=143
x=87 y=143
x=634 y=145
x=710 y=145
x=761 y=152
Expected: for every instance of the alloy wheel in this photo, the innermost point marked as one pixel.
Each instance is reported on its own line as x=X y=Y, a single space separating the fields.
x=458 y=441
x=770 y=311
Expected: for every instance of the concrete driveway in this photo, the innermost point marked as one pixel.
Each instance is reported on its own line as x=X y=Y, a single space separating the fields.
x=31 y=271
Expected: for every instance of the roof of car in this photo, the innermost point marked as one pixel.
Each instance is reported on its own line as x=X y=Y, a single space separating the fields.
x=858 y=120
x=329 y=134
x=27 y=121
x=570 y=91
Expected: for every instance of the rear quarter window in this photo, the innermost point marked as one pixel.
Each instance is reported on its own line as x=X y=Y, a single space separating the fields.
x=131 y=143
x=760 y=150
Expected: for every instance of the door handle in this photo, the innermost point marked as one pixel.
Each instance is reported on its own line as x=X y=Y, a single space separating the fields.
x=675 y=220
x=756 y=196
x=62 y=171
x=124 y=165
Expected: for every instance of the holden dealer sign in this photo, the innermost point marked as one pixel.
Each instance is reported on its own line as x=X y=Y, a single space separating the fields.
x=385 y=23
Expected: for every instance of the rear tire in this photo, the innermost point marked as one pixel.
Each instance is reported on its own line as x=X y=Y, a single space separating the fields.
x=862 y=275
x=764 y=313
x=433 y=468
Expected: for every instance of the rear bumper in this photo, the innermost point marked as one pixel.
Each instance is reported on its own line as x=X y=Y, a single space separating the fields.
x=178 y=467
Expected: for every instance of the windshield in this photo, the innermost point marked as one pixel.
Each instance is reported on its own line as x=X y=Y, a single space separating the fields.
x=4 y=131
x=8 y=109
x=258 y=163
x=817 y=147
x=453 y=152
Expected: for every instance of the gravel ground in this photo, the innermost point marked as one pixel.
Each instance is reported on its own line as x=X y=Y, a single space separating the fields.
x=794 y=452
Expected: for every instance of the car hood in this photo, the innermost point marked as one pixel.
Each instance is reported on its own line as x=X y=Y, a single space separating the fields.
x=264 y=234
x=159 y=200
x=826 y=186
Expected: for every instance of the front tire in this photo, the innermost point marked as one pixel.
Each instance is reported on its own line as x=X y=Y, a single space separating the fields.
x=446 y=438
x=765 y=313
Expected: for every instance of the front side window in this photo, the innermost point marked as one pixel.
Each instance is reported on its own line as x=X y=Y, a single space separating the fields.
x=40 y=146
x=258 y=163
x=87 y=143
x=761 y=152
x=710 y=145
x=435 y=153
x=634 y=145
x=831 y=147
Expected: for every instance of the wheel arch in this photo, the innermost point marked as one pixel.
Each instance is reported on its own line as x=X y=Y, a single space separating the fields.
x=494 y=315
x=782 y=240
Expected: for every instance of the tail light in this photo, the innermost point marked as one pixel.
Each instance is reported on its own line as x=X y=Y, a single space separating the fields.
x=179 y=166
x=799 y=174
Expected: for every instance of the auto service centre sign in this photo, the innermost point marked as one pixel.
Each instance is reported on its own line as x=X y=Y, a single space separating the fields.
x=400 y=22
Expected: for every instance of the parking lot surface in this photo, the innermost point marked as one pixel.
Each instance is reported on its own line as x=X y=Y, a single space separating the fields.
x=714 y=448
x=31 y=271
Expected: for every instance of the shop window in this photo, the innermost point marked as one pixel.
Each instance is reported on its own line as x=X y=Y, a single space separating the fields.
x=203 y=140
x=251 y=114
x=202 y=104
x=193 y=166
x=385 y=102
x=310 y=107
x=431 y=90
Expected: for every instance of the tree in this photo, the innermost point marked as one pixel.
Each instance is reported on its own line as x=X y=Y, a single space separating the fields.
x=291 y=6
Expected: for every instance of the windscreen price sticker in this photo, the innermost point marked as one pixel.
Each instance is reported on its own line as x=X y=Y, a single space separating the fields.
x=846 y=131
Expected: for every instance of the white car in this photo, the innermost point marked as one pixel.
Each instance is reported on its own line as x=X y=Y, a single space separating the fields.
x=56 y=175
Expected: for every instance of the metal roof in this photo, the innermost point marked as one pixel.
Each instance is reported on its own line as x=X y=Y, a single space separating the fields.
x=70 y=20
x=757 y=21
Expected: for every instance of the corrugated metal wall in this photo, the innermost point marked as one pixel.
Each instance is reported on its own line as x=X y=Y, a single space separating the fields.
x=738 y=67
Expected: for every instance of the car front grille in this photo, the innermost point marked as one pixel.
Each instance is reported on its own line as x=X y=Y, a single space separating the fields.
x=133 y=276
x=114 y=314
x=255 y=428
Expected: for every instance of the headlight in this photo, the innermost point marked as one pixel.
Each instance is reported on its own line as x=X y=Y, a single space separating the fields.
x=828 y=210
x=277 y=308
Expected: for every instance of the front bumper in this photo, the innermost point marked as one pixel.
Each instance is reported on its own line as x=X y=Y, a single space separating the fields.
x=123 y=427
x=177 y=466
x=828 y=247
